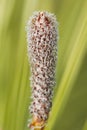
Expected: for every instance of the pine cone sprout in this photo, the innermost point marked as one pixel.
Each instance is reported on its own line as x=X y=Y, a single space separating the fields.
x=42 y=37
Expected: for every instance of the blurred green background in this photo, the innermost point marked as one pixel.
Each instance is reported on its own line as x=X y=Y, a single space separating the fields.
x=69 y=110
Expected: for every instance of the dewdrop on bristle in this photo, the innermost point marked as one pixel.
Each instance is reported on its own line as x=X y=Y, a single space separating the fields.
x=42 y=37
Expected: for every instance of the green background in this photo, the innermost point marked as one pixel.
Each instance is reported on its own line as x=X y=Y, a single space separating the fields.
x=69 y=110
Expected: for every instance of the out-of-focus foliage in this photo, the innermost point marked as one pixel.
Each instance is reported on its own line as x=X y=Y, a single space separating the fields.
x=69 y=110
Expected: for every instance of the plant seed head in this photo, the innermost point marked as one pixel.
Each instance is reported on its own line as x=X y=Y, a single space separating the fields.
x=42 y=37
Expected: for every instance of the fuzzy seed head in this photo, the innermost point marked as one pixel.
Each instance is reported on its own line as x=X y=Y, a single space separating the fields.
x=42 y=39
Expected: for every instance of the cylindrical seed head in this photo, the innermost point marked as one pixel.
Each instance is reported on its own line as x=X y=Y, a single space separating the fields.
x=42 y=37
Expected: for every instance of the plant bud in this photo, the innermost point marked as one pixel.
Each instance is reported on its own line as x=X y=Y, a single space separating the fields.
x=42 y=37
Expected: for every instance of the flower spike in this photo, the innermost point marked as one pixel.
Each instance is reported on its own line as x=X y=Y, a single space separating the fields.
x=42 y=37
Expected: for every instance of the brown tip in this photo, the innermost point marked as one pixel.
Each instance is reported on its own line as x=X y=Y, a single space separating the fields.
x=37 y=124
